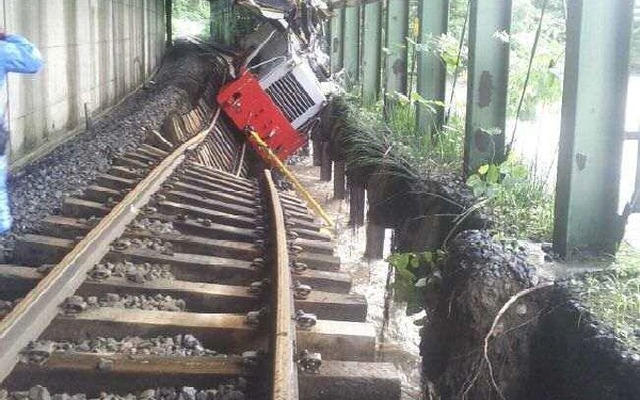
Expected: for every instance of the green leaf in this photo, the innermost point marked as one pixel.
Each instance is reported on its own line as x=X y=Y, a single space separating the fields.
x=483 y=169
x=399 y=260
x=493 y=174
x=415 y=261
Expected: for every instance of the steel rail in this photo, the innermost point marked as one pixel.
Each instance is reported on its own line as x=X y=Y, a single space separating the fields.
x=34 y=313
x=284 y=369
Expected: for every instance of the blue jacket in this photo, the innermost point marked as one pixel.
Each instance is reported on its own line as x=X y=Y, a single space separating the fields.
x=17 y=54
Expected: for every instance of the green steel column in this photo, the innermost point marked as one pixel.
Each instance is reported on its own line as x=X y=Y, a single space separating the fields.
x=396 y=46
x=168 y=4
x=434 y=16
x=592 y=130
x=489 y=25
x=221 y=21
x=351 y=45
x=337 y=21
x=371 y=49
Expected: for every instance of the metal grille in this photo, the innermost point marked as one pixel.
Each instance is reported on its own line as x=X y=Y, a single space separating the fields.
x=290 y=97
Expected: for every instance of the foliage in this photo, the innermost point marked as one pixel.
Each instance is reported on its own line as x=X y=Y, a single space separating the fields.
x=441 y=152
x=518 y=199
x=415 y=275
x=545 y=81
x=613 y=295
x=193 y=10
x=191 y=17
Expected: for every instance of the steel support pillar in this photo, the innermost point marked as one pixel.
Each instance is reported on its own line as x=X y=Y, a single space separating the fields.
x=592 y=130
x=431 y=82
x=168 y=5
x=489 y=26
x=221 y=21
x=396 y=43
x=351 y=45
x=371 y=51
x=337 y=22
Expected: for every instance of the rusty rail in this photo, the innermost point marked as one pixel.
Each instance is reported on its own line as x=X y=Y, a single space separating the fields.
x=36 y=311
x=283 y=335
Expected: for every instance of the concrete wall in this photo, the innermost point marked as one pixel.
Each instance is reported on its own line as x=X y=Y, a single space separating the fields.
x=96 y=52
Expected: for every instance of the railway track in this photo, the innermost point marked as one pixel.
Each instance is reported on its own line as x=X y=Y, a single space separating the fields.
x=182 y=267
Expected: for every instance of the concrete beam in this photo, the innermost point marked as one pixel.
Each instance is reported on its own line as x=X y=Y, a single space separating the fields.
x=434 y=16
x=371 y=52
x=489 y=26
x=351 y=45
x=396 y=44
x=592 y=131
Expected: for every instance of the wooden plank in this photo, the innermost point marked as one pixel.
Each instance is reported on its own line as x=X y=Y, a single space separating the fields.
x=32 y=315
x=16 y=281
x=37 y=249
x=192 y=267
x=220 y=175
x=348 y=380
x=215 y=194
x=235 y=185
x=200 y=297
x=154 y=150
x=79 y=208
x=64 y=227
x=210 y=230
x=218 y=186
x=101 y=194
x=142 y=158
x=202 y=246
x=240 y=221
x=220 y=332
x=212 y=298
x=124 y=160
x=326 y=281
x=315 y=246
x=114 y=182
x=79 y=373
x=322 y=262
x=338 y=340
x=209 y=204
x=125 y=172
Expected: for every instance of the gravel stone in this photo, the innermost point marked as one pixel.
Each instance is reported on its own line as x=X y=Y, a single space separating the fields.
x=139 y=273
x=39 y=189
x=160 y=345
x=224 y=392
x=39 y=393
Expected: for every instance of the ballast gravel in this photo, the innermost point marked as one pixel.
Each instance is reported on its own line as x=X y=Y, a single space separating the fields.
x=185 y=345
x=223 y=392
x=158 y=302
x=138 y=273
x=39 y=189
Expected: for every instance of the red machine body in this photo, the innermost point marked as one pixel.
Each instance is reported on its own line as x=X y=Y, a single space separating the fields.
x=250 y=107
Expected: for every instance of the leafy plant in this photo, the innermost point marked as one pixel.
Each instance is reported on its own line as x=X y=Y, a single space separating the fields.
x=416 y=274
x=518 y=199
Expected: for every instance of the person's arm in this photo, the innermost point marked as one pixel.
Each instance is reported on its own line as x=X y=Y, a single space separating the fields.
x=19 y=55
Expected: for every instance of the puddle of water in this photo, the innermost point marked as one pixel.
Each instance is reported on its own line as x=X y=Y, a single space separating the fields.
x=401 y=335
